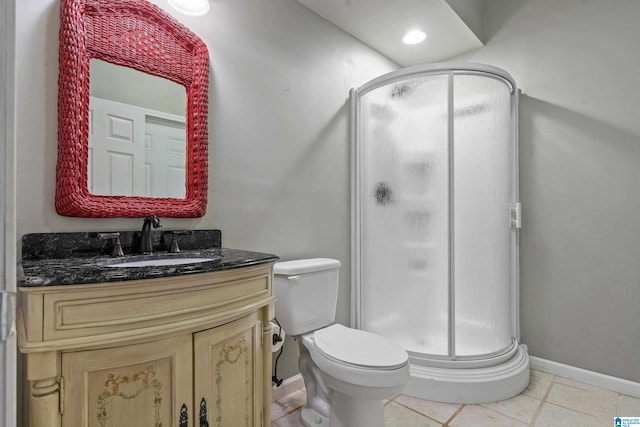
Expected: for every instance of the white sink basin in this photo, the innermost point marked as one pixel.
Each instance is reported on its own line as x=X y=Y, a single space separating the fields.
x=161 y=260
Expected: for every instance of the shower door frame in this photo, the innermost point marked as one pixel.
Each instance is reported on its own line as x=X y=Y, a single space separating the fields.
x=451 y=69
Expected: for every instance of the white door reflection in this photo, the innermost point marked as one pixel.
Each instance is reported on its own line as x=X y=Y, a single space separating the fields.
x=165 y=156
x=135 y=151
x=137 y=133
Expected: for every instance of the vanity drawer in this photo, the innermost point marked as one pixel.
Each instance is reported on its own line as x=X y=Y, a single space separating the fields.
x=111 y=310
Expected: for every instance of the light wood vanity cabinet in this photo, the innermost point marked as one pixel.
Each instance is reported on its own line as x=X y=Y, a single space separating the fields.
x=135 y=385
x=154 y=352
x=229 y=375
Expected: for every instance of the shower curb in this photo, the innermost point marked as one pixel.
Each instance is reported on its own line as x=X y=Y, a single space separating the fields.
x=471 y=385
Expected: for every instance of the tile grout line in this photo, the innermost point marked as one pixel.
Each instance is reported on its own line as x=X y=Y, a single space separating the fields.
x=559 y=405
x=292 y=410
x=455 y=414
x=595 y=417
x=542 y=402
x=506 y=415
x=417 y=412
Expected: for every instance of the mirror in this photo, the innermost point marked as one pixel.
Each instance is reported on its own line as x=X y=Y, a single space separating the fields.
x=132 y=112
x=137 y=133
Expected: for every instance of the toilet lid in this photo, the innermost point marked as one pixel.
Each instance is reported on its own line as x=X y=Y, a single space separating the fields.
x=360 y=348
x=302 y=266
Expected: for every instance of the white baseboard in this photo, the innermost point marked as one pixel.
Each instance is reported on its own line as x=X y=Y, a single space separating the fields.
x=288 y=386
x=616 y=384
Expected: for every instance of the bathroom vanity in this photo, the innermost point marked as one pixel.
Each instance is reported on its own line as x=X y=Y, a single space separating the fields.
x=147 y=346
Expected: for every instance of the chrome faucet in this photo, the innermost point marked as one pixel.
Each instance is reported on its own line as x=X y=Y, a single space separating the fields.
x=146 y=242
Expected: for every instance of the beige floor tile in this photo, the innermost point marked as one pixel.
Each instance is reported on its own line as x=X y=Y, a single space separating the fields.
x=477 y=416
x=438 y=411
x=396 y=415
x=539 y=384
x=291 y=420
x=522 y=408
x=552 y=415
x=584 y=398
x=568 y=403
x=287 y=404
x=628 y=406
x=577 y=384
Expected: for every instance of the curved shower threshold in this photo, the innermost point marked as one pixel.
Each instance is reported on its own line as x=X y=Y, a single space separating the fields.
x=471 y=385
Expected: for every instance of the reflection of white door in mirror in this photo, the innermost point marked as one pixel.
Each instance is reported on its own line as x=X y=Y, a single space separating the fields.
x=165 y=156
x=135 y=151
x=134 y=116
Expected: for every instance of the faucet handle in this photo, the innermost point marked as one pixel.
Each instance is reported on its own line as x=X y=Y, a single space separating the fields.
x=173 y=248
x=117 y=247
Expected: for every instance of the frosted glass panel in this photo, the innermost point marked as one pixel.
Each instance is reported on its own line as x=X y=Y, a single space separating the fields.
x=420 y=262
x=482 y=189
x=404 y=191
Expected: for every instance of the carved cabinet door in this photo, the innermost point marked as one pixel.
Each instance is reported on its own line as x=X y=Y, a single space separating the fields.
x=136 y=385
x=228 y=380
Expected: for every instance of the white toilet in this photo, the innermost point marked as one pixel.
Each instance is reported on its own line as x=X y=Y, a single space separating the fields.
x=347 y=372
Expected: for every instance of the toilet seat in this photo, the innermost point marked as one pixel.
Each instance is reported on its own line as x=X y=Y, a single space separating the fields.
x=389 y=372
x=359 y=348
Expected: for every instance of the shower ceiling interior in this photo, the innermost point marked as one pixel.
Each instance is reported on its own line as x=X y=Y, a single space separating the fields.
x=453 y=27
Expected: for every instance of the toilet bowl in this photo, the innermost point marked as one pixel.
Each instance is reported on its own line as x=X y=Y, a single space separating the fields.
x=347 y=372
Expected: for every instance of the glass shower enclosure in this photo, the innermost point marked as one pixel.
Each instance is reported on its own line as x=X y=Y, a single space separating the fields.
x=435 y=219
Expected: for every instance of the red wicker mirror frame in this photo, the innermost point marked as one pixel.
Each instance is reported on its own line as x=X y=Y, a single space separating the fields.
x=139 y=35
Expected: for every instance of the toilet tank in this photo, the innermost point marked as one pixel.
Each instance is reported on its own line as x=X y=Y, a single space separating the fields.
x=307 y=294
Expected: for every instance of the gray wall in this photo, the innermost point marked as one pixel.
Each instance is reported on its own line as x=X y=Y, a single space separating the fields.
x=577 y=62
x=133 y=87
x=278 y=130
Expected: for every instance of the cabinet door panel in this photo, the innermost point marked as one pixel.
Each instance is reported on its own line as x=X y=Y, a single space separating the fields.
x=137 y=385
x=228 y=373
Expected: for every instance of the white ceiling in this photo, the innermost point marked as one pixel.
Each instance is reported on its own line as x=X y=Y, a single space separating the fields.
x=381 y=24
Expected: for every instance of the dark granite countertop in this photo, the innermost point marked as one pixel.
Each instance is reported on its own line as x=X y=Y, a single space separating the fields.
x=44 y=269
x=76 y=271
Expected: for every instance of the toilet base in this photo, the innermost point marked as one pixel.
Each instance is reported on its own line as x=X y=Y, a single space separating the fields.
x=346 y=412
x=332 y=402
x=349 y=412
x=311 y=418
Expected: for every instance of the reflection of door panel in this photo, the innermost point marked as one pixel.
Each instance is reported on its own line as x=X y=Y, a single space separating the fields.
x=165 y=157
x=117 y=153
x=135 y=151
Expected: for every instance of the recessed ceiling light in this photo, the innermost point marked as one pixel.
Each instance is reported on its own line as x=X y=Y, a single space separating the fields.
x=414 y=37
x=191 y=7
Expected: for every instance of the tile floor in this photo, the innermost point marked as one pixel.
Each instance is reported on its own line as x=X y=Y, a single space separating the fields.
x=550 y=401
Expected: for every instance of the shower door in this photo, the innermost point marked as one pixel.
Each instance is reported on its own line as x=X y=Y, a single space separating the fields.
x=434 y=184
